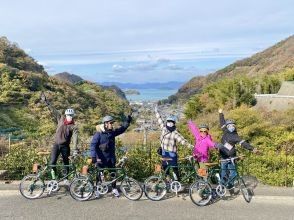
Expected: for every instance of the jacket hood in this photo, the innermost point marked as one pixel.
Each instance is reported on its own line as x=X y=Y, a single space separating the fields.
x=100 y=128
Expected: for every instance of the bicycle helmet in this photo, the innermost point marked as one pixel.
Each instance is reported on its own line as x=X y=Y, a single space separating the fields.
x=230 y=121
x=107 y=118
x=69 y=111
x=203 y=127
x=171 y=118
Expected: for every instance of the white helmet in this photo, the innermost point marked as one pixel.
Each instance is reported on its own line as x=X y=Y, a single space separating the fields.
x=69 y=111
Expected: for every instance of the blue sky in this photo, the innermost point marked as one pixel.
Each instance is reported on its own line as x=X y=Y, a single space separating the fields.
x=144 y=40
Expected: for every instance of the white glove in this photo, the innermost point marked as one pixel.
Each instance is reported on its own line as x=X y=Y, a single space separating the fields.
x=75 y=153
x=191 y=146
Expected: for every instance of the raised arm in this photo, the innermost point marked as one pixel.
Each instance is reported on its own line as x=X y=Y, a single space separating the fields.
x=56 y=114
x=222 y=120
x=159 y=119
x=123 y=127
x=194 y=129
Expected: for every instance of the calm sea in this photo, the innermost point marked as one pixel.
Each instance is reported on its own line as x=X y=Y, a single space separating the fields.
x=151 y=94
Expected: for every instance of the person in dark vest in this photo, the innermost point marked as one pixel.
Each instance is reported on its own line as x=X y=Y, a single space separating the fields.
x=103 y=144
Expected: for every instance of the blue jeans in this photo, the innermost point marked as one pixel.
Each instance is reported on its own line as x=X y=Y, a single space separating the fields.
x=173 y=162
x=228 y=172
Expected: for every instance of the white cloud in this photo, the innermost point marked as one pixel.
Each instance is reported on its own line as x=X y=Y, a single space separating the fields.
x=145 y=35
x=119 y=68
x=174 y=67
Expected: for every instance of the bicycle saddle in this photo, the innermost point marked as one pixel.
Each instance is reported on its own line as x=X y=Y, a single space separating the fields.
x=210 y=164
x=43 y=153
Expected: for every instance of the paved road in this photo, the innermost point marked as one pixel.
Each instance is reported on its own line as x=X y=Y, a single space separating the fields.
x=62 y=206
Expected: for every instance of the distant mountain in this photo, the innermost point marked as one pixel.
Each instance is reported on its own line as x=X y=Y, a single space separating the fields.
x=270 y=61
x=73 y=79
x=115 y=89
x=151 y=85
x=68 y=78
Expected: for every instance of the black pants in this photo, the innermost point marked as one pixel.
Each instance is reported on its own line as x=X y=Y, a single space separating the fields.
x=65 y=153
x=107 y=164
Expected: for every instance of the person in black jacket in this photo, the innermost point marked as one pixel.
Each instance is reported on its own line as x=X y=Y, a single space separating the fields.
x=65 y=132
x=229 y=140
x=103 y=145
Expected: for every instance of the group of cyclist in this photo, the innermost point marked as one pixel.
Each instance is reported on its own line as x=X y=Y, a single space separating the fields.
x=102 y=146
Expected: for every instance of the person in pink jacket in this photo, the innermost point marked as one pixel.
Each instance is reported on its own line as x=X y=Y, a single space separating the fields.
x=203 y=142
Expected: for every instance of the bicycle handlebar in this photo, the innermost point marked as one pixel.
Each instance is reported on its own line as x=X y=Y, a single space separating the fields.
x=232 y=159
x=187 y=158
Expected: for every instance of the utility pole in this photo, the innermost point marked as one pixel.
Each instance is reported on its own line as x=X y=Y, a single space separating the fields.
x=9 y=137
x=145 y=133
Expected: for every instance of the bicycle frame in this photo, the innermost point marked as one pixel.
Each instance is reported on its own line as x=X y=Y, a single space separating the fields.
x=94 y=172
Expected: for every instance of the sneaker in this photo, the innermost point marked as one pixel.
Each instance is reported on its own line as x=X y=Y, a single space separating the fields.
x=115 y=192
x=97 y=194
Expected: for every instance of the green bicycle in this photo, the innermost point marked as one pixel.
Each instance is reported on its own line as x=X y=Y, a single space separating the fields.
x=157 y=186
x=203 y=191
x=33 y=185
x=83 y=187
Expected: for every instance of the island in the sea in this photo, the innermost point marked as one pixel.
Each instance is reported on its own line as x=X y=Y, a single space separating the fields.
x=131 y=92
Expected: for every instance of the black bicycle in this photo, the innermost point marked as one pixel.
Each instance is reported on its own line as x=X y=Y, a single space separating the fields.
x=202 y=191
x=44 y=178
x=83 y=187
x=157 y=186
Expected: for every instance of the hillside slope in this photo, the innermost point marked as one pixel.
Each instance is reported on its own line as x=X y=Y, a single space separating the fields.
x=270 y=61
x=21 y=82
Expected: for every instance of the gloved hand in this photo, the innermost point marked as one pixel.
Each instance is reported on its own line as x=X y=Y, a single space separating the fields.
x=129 y=118
x=75 y=152
x=94 y=160
x=220 y=110
x=190 y=146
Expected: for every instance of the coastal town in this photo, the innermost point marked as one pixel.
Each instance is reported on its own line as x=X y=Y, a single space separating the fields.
x=143 y=112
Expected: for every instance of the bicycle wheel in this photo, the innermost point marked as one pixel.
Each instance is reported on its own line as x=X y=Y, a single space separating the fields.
x=200 y=193
x=155 y=188
x=81 y=189
x=31 y=186
x=131 y=189
x=246 y=192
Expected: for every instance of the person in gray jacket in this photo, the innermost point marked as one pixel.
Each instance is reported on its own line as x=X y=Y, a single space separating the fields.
x=66 y=130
